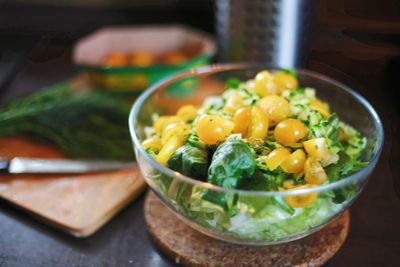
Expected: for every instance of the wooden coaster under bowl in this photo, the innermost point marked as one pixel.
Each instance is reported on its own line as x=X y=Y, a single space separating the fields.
x=188 y=247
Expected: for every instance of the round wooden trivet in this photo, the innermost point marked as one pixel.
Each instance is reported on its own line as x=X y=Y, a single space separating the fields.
x=190 y=248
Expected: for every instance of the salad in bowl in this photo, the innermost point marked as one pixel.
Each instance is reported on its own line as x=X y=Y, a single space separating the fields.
x=261 y=156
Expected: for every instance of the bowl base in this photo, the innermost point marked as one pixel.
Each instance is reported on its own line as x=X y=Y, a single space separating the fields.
x=188 y=247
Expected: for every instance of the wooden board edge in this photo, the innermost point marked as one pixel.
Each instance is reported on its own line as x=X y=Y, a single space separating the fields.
x=90 y=229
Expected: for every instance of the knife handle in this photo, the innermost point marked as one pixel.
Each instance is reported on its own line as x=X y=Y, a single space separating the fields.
x=4 y=164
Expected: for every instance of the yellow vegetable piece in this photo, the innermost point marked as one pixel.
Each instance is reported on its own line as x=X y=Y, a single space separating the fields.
x=233 y=103
x=169 y=149
x=301 y=200
x=187 y=112
x=212 y=129
x=258 y=128
x=320 y=106
x=175 y=128
x=315 y=147
x=295 y=162
x=288 y=184
x=152 y=142
x=276 y=107
x=342 y=135
x=241 y=120
x=284 y=81
x=313 y=172
x=264 y=84
x=163 y=121
x=276 y=157
x=289 y=131
x=318 y=148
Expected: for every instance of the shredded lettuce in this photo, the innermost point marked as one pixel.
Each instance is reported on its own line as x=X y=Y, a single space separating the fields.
x=355 y=143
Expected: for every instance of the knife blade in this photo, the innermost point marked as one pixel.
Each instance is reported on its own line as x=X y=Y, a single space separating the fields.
x=20 y=165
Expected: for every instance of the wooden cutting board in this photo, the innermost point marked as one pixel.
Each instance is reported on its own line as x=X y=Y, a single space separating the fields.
x=77 y=204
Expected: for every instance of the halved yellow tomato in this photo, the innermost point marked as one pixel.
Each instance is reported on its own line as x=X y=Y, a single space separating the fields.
x=276 y=107
x=241 y=119
x=289 y=131
x=314 y=173
x=258 y=128
x=320 y=106
x=233 y=103
x=285 y=81
x=295 y=162
x=301 y=200
x=175 y=128
x=153 y=142
x=169 y=149
x=163 y=121
x=264 y=84
x=276 y=157
x=187 y=112
x=212 y=129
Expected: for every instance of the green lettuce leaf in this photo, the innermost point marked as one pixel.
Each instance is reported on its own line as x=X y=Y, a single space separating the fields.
x=190 y=160
x=232 y=162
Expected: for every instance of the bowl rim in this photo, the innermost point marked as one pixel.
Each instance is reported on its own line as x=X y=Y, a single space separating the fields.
x=215 y=68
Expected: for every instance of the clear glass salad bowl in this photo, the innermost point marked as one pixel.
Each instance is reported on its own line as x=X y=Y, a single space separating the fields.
x=252 y=217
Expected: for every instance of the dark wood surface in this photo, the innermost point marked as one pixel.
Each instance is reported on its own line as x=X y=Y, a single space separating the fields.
x=366 y=59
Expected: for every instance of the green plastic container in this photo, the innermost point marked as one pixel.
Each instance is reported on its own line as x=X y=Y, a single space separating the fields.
x=89 y=52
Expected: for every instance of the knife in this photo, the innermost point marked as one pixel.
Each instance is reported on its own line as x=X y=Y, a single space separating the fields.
x=20 y=165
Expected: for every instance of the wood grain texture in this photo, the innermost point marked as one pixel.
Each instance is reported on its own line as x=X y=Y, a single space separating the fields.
x=77 y=204
x=190 y=248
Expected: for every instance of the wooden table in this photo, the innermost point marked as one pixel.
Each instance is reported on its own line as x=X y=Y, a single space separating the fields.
x=374 y=238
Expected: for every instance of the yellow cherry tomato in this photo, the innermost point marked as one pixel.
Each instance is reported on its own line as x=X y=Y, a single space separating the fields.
x=175 y=128
x=289 y=131
x=276 y=157
x=264 y=84
x=295 y=162
x=233 y=103
x=315 y=147
x=320 y=106
x=276 y=107
x=212 y=129
x=318 y=148
x=163 y=121
x=284 y=81
x=241 y=119
x=169 y=149
x=301 y=200
x=259 y=123
x=313 y=172
x=152 y=142
x=187 y=112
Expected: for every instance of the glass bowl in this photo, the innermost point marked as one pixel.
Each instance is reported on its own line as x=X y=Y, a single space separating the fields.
x=252 y=217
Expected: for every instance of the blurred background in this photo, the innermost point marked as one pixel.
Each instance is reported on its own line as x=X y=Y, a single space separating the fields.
x=351 y=31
